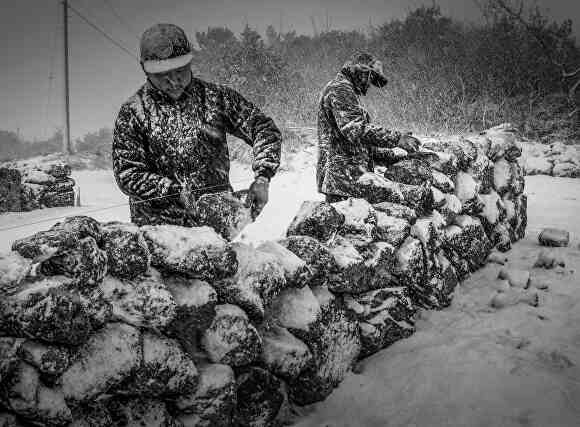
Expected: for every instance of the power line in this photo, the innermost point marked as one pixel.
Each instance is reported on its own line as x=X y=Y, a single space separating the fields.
x=103 y=32
x=120 y=19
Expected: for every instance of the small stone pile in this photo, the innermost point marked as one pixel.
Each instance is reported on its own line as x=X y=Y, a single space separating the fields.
x=556 y=159
x=27 y=185
x=111 y=324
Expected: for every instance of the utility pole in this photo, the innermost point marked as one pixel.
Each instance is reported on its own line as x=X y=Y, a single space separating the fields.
x=67 y=148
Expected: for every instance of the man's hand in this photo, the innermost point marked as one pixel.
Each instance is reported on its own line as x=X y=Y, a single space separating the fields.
x=409 y=143
x=258 y=195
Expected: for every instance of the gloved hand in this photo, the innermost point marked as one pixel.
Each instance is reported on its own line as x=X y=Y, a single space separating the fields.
x=409 y=143
x=258 y=195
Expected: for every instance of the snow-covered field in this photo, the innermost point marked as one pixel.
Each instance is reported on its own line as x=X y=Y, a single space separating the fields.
x=468 y=365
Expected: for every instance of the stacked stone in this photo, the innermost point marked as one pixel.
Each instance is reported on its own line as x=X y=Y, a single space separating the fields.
x=40 y=184
x=114 y=324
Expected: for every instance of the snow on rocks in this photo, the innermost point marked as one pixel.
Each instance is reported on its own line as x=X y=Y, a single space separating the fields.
x=13 y=270
x=110 y=356
x=316 y=219
x=50 y=311
x=224 y=212
x=334 y=340
x=213 y=402
x=178 y=326
x=231 y=338
x=260 y=395
x=259 y=278
x=35 y=183
x=283 y=354
x=144 y=303
x=198 y=252
x=127 y=250
x=411 y=171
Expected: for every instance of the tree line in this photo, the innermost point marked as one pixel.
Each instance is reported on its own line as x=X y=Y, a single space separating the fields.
x=444 y=75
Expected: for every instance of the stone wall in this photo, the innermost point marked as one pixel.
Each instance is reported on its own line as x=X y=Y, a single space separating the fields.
x=35 y=184
x=113 y=324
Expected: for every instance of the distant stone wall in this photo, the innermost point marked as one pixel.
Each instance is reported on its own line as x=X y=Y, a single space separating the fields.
x=114 y=324
x=35 y=184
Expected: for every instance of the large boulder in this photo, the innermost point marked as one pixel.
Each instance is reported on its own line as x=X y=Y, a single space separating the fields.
x=109 y=357
x=50 y=360
x=468 y=239
x=397 y=210
x=283 y=354
x=165 y=370
x=316 y=219
x=69 y=248
x=295 y=309
x=126 y=249
x=86 y=263
x=319 y=260
x=358 y=273
x=502 y=176
x=442 y=182
x=385 y=315
x=231 y=338
x=482 y=172
x=53 y=311
x=259 y=278
x=411 y=263
x=410 y=171
x=213 y=402
x=197 y=252
x=14 y=268
x=376 y=189
x=503 y=142
x=391 y=229
x=260 y=396
x=334 y=340
x=195 y=302
x=143 y=303
x=296 y=271
x=224 y=212
x=33 y=401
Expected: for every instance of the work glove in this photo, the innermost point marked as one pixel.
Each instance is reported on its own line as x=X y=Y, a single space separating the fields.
x=258 y=195
x=409 y=143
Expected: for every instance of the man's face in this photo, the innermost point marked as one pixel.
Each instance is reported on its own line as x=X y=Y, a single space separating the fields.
x=172 y=82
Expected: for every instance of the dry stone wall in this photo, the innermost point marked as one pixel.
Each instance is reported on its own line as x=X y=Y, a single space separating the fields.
x=26 y=185
x=118 y=325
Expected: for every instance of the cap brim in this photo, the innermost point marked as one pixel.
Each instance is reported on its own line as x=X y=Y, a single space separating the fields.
x=165 y=65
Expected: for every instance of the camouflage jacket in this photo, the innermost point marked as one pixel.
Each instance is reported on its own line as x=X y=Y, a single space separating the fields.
x=347 y=141
x=161 y=145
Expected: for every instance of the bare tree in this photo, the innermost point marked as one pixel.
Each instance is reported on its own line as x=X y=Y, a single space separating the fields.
x=539 y=30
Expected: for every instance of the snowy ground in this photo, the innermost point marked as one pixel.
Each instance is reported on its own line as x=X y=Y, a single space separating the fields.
x=467 y=365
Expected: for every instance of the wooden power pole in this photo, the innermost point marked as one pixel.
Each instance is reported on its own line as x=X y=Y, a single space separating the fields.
x=67 y=147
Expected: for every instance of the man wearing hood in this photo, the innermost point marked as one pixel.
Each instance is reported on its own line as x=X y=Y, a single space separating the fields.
x=348 y=142
x=169 y=140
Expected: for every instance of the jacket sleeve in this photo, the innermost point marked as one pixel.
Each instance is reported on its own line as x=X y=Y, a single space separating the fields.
x=132 y=173
x=245 y=121
x=353 y=122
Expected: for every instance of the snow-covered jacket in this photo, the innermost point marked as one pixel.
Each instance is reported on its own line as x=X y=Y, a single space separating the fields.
x=346 y=137
x=161 y=145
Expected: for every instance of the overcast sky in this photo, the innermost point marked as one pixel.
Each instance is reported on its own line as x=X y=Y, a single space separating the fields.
x=103 y=76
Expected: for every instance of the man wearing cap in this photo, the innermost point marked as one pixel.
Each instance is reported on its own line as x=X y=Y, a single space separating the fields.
x=348 y=143
x=169 y=141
